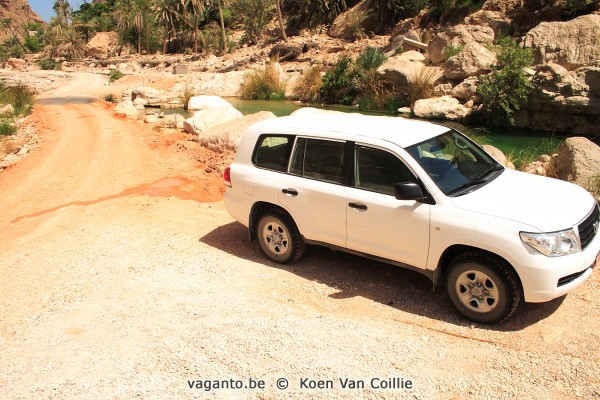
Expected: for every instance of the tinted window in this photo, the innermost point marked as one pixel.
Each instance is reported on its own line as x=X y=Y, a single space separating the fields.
x=378 y=170
x=273 y=152
x=319 y=159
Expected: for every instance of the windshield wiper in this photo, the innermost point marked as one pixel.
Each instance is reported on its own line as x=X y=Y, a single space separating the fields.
x=477 y=181
x=466 y=185
x=488 y=171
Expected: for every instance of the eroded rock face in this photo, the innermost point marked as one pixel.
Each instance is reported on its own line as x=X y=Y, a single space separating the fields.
x=457 y=36
x=572 y=44
x=444 y=107
x=466 y=89
x=102 y=44
x=205 y=119
x=227 y=136
x=474 y=59
x=496 y=20
x=578 y=161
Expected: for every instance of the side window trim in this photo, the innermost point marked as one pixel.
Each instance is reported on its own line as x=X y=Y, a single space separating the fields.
x=260 y=140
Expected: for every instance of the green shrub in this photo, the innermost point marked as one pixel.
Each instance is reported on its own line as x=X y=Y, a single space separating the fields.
x=263 y=84
x=451 y=51
x=47 y=64
x=114 y=75
x=188 y=93
x=356 y=20
x=313 y=13
x=6 y=128
x=594 y=186
x=33 y=44
x=507 y=87
x=254 y=14
x=338 y=84
x=309 y=86
x=19 y=96
x=370 y=58
x=110 y=98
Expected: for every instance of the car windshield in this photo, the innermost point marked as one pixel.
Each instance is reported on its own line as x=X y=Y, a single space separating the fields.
x=455 y=163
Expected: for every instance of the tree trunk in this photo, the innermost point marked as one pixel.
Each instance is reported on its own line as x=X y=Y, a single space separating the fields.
x=140 y=41
x=195 y=33
x=147 y=35
x=223 y=38
x=283 y=35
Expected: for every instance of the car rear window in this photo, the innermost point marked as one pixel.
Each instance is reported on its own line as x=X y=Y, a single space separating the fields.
x=273 y=152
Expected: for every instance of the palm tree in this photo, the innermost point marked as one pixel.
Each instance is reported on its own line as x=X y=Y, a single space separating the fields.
x=63 y=10
x=7 y=23
x=280 y=18
x=166 y=14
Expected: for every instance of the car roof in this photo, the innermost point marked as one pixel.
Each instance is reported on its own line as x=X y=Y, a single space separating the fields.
x=401 y=131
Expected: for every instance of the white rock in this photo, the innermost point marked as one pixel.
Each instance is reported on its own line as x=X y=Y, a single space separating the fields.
x=444 y=107
x=205 y=102
x=205 y=119
x=126 y=108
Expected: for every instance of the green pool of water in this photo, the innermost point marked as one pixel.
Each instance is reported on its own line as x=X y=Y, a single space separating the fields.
x=519 y=143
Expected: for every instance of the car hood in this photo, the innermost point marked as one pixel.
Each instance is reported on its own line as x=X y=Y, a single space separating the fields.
x=544 y=203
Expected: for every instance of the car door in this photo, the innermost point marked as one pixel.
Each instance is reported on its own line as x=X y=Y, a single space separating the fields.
x=315 y=191
x=378 y=223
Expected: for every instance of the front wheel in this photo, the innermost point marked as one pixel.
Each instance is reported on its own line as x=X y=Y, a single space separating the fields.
x=482 y=288
x=279 y=238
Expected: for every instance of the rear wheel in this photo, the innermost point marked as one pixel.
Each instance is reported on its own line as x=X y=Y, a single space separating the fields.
x=482 y=288
x=279 y=238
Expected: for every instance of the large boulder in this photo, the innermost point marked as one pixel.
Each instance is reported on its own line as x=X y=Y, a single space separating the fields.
x=343 y=27
x=227 y=136
x=151 y=95
x=444 y=107
x=205 y=102
x=466 y=89
x=399 y=70
x=6 y=109
x=16 y=63
x=496 y=20
x=457 y=36
x=173 y=121
x=578 y=161
x=127 y=109
x=498 y=155
x=474 y=59
x=205 y=119
x=572 y=44
x=102 y=44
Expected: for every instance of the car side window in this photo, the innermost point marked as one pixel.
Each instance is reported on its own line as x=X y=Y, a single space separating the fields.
x=378 y=170
x=319 y=159
x=273 y=152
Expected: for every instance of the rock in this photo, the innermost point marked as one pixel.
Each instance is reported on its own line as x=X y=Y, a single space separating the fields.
x=466 y=89
x=474 y=59
x=496 y=154
x=151 y=118
x=578 y=161
x=398 y=70
x=206 y=102
x=590 y=76
x=126 y=108
x=411 y=55
x=6 y=109
x=9 y=160
x=496 y=20
x=457 y=36
x=343 y=27
x=16 y=63
x=151 y=95
x=442 y=89
x=140 y=102
x=572 y=44
x=102 y=44
x=227 y=136
x=173 y=121
x=404 y=110
x=205 y=119
x=285 y=52
x=444 y=107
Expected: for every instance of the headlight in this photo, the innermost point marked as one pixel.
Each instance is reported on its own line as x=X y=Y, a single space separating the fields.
x=554 y=244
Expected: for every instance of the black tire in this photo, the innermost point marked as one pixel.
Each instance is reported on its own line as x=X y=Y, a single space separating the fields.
x=280 y=238
x=482 y=288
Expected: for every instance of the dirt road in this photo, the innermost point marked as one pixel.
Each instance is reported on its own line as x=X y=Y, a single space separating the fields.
x=121 y=276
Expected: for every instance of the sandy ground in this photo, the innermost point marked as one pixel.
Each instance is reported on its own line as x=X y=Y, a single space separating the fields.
x=122 y=276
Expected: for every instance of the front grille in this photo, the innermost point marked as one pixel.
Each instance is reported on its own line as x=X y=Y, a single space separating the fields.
x=570 y=278
x=587 y=230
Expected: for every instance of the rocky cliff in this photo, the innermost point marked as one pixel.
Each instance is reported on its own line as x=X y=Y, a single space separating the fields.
x=19 y=12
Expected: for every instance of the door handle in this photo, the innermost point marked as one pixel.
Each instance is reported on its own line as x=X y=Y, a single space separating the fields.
x=358 y=206
x=289 y=192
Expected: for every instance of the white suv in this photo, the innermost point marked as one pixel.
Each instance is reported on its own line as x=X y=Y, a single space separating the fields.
x=417 y=195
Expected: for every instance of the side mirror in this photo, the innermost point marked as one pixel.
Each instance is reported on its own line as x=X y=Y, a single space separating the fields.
x=408 y=191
